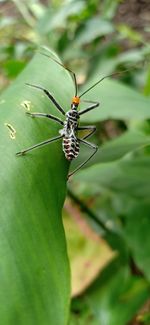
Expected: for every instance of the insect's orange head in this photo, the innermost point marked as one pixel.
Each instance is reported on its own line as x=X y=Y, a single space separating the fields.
x=76 y=100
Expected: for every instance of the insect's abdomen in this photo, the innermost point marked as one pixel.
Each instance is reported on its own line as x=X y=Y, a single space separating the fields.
x=70 y=147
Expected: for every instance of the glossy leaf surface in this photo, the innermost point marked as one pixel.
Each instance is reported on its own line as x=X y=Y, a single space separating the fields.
x=34 y=270
x=117 y=101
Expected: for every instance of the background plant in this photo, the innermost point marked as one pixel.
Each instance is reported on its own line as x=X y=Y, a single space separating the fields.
x=94 y=39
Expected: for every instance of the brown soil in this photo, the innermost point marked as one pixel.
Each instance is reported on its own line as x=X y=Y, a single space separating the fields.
x=136 y=14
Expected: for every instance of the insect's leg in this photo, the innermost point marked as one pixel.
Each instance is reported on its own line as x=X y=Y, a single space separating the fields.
x=43 y=143
x=92 y=146
x=94 y=105
x=52 y=117
x=49 y=96
x=90 y=128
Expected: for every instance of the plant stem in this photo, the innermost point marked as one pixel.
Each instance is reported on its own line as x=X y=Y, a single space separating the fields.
x=88 y=211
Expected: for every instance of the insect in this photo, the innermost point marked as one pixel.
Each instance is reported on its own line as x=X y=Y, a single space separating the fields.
x=70 y=126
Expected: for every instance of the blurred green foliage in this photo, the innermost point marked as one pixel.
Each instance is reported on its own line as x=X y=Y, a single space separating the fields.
x=86 y=32
x=94 y=39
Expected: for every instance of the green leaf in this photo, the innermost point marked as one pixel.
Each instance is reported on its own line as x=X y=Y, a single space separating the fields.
x=34 y=272
x=94 y=28
x=130 y=176
x=120 y=146
x=114 y=298
x=117 y=101
x=116 y=148
x=147 y=86
x=109 y=8
x=58 y=19
x=137 y=232
x=129 y=33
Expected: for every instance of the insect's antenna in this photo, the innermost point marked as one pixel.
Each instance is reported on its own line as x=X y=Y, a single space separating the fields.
x=108 y=76
x=72 y=73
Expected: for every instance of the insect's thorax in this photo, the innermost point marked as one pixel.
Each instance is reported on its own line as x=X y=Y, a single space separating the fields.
x=70 y=142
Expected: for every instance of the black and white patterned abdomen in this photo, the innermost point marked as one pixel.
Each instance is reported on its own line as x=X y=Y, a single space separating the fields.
x=70 y=147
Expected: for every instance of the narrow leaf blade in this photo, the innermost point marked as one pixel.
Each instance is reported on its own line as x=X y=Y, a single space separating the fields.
x=34 y=270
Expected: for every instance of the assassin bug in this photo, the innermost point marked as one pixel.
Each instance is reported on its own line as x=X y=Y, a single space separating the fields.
x=69 y=132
